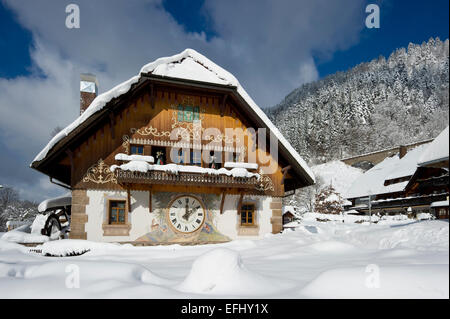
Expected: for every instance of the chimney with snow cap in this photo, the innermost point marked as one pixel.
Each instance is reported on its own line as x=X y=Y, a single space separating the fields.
x=88 y=90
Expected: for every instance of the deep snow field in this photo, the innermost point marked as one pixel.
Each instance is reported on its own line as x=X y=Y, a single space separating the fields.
x=403 y=259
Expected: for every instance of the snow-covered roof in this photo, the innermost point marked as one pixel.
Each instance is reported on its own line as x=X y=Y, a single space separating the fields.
x=408 y=164
x=437 y=151
x=443 y=203
x=190 y=65
x=288 y=209
x=60 y=201
x=372 y=182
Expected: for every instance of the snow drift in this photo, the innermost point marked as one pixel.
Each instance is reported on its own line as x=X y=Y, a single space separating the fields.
x=221 y=271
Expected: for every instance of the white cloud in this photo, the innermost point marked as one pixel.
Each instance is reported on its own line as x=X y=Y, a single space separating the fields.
x=307 y=72
x=268 y=45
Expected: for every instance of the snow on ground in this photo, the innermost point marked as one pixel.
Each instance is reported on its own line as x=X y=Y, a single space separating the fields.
x=25 y=234
x=397 y=259
x=338 y=174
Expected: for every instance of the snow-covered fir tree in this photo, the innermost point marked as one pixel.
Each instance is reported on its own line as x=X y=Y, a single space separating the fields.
x=328 y=201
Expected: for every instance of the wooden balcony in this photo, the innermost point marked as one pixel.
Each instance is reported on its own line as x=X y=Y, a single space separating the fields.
x=184 y=178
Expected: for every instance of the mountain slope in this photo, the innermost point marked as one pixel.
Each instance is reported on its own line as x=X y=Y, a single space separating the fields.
x=372 y=106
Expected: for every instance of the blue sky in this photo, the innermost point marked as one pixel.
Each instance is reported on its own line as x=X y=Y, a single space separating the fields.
x=271 y=46
x=402 y=22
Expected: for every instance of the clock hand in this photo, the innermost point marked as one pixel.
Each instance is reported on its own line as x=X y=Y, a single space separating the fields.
x=186 y=212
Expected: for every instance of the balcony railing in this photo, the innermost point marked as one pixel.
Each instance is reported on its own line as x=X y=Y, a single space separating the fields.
x=184 y=178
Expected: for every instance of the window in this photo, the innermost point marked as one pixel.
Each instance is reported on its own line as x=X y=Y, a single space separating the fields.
x=137 y=150
x=232 y=157
x=117 y=212
x=248 y=215
x=443 y=212
x=177 y=156
x=215 y=161
x=188 y=113
x=196 y=157
x=187 y=156
x=159 y=154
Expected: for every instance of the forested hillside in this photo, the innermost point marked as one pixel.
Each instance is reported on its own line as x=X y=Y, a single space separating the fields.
x=375 y=105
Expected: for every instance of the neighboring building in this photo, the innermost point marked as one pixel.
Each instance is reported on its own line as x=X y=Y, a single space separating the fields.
x=440 y=209
x=288 y=214
x=406 y=182
x=134 y=180
x=431 y=176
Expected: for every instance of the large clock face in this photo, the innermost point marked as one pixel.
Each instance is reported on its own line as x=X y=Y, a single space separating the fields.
x=186 y=214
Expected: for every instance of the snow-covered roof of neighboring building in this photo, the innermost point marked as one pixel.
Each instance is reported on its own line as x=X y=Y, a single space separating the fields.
x=189 y=65
x=408 y=164
x=437 y=151
x=288 y=209
x=443 y=203
x=372 y=182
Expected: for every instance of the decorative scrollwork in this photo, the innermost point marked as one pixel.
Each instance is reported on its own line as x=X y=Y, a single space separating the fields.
x=265 y=182
x=192 y=131
x=125 y=143
x=100 y=173
x=150 y=130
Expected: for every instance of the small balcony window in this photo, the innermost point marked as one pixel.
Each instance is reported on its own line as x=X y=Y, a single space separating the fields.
x=215 y=160
x=136 y=150
x=159 y=154
x=177 y=156
x=196 y=157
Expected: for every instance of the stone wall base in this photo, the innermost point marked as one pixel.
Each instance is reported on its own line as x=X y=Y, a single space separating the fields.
x=79 y=217
x=277 y=215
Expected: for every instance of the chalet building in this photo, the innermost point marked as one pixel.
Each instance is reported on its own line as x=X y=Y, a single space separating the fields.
x=431 y=176
x=409 y=182
x=152 y=161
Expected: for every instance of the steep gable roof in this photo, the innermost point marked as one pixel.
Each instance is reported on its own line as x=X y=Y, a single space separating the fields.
x=437 y=151
x=187 y=65
x=373 y=181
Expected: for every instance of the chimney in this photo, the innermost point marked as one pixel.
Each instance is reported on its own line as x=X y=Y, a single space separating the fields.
x=403 y=150
x=88 y=90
